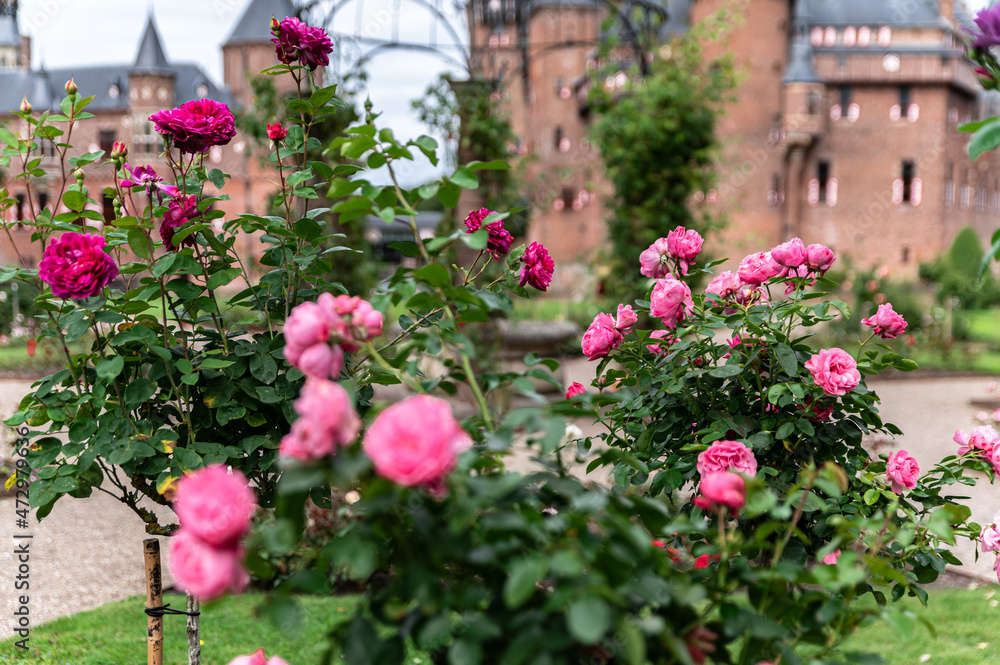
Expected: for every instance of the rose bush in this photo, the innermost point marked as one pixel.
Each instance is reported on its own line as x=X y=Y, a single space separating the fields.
x=456 y=556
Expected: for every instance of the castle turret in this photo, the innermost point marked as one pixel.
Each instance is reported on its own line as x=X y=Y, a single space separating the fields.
x=249 y=50
x=802 y=87
x=152 y=87
x=10 y=36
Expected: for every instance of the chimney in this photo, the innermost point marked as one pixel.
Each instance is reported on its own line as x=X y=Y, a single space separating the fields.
x=947 y=9
x=26 y=53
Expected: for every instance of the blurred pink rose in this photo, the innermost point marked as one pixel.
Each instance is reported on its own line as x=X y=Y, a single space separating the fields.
x=790 y=254
x=994 y=457
x=601 y=337
x=727 y=456
x=835 y=371
x=666 y=336
x=671 y=301
x=831 y=558
x=215 y=505
x=327 y=419
x=415 y=441
x=307 y=440
x=886 y=322
x=902 y=471
x=574 y=390
x=204 y=571
x=655 y=260
x=989 y=538
x=757 y=268
x=357 y=321
x=996 y=567
x=321 y=361
x=626 y=318
x=819 y=257
x=257 y=658
x=722 y=489
x=684 y=245
x=307 y=324
x=983 y=438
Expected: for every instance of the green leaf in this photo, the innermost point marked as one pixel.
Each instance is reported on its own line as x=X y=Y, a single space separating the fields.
x=434 y=274
x=75 y=201
x=223 y=277
x=111 y=367
x=520 y=584
x=8 y=137
x=264 y=368
x=726 y=371
x=786 y=358
x=986 y=138
x=905 y=365
x=465 y=178
x=138 y=242
x=138 y=392
x=495 y=165
x=589 y=619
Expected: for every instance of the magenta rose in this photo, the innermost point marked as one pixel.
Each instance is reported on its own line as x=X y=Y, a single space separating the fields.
x=671 y=301
x=886 y=322
x=257 y=658
x=835 y=371
x=683 y=245
x=416 y=441
x=724 y=456
x=819 y=257
x=722 y=489
x=601 y=337
x=655 y=260
x=180 y=211
x=215 y=505
x=146 y=177
x=574 y=390
x=902 y=471
x=294 y=40
x=474 y=220
x=499 y=241
x=626 y=318
x=76 y=266
x=204 y=571
x=196 y=126
x=276 y=132
x=791 y=254
x=757 y=268
x=537 y=267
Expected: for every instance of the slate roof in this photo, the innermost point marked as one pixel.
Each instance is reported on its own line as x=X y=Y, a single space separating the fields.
x=9 y=35
x=151 y=57
x=875 y=12
x=254 y=27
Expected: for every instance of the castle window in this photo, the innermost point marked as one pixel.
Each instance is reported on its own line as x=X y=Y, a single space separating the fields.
x=949 y=184
x=830 y=37
x=813 y=103
x=853 y=112
x=850 y=36
x=816 y=36
x=43 y=200
x=20 y=205
x=864 y=36
x=823 y=179
x=567 y=198
x=107 y=140
x=884 y=36
x=906 y=255
x=908 y=176
x=108 y=208
x=774 y=195
x=48 y=148
x=558 y=138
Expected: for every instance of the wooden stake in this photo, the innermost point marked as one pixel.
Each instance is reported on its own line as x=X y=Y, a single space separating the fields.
x=154 y=598
x=193 y=631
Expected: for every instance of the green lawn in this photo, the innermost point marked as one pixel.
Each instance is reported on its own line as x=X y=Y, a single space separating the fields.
x=967 y=622
x=984 y=325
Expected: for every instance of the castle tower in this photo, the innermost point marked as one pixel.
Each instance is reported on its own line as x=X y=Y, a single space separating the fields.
x=10 y=36
x=249 y=50
x=151 y=88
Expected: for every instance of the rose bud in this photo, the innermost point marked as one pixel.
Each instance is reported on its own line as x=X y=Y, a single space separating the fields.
x=71 y=88
x=25 y=105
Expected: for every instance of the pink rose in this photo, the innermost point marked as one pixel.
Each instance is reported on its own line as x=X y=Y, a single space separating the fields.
x=983 y=438
x=415 y=441
x=327 y=419
x=835 y=371
x=757 y=268
x=474 y=220
x=655 y=260
x=215 y=505
x=666 y=336
x=294 y=40
x=499 y=241
x=671 y=301
x=307 y=324
x=355 y=319
x=996 y=567
x=308 y=439
x=601 y=337
x=258 y=658
x=790 y=254
x=684 y=245
x=886 y=322
x=722 y=489
x=989 y=538
x=204 y=571
x=574 y=390
x=626 y=317
x=831 y=558
x=902 y=470
x=76 y=266
x=321 y=361
x=727 y=456
x=196 y=126
x=537 y=267
x=180 y=211
x=995 y=459
x=724 y=284
x=819 y=258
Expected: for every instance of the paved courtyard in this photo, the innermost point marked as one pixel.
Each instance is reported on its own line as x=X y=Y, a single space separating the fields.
x=89 y=552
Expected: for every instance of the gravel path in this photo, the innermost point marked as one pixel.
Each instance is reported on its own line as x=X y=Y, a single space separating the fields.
x=89 y=551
